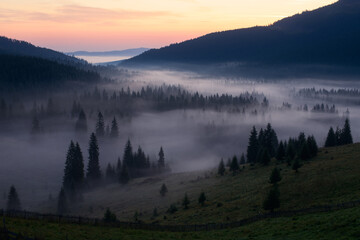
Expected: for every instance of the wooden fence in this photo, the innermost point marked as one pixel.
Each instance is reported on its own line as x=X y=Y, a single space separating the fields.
x=173 y=228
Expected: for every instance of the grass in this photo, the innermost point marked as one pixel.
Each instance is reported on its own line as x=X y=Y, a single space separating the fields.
x=341 y=224
x=332 y=177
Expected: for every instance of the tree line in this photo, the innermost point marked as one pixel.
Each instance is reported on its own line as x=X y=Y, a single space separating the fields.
x=76 y=179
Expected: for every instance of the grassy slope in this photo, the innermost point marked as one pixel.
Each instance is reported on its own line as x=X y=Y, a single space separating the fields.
x=342 y=224
x=333 y=177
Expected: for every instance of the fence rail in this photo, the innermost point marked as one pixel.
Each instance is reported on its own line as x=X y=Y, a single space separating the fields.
x=174 y=228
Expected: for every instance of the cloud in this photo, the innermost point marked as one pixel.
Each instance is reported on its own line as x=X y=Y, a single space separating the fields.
x=78 y=14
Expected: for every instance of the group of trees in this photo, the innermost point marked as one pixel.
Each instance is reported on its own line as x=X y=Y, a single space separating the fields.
x=100 y=129
x=264 y=146
x=334 y=95
x=340 y=136
x=324 y=108
x=168 y=97
x=75 y=179
x=135 y=164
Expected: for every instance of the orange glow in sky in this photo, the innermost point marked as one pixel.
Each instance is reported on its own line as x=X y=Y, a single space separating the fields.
x=70 y=25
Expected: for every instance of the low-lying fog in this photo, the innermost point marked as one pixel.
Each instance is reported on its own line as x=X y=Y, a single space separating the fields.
x=192 y=139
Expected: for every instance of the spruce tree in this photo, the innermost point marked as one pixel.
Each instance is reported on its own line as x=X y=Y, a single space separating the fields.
x=304 y=152
x=346 y=137
x=163 y=190
x=124 y=176
x=114 y=129
x=313 y=147
x=234 y=167
x=202 y=199
x=109 y=217
x=265 y=157
x=62 y=202
x=81 y=123
x=35 y=128
x=290 y=151
x=221 y=168
x=161 y=161
x=272 y=200
x=78 y=167
x=253 y=147
x=296 y=165
x=186 y=201
x=242 y=159
x=128 y=155
x=110 y=173
x=275 y=176
x=13 y=202
x=280 y=154
x=118 y=166
x=68 y=179
x=93 y=169
x=331 y=138
x=100 y=126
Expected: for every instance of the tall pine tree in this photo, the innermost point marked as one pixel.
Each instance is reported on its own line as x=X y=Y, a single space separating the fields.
x=114 y=129
x=253 y=147
x=100 y=126
x=13 y=202
x=161 y=161
x=93 y=170
x=81 y=123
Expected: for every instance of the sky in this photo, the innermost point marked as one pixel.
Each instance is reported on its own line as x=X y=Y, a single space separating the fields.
x=93 y=25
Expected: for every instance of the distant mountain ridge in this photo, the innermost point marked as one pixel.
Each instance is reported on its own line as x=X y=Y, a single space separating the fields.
x=126 y=52
x=329 y=35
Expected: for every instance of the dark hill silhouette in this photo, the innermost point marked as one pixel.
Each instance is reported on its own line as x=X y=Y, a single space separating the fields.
x=329 y=35
x=31 y=73
x=10 y=46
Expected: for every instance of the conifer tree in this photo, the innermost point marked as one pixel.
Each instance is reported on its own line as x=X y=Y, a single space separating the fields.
x=275 y=176
x=109 y=216
x=93 y=170
x=296 y=165
x=331 y=138
x=346 y=137
x=280 y=154
x=81 y=123
x=118 y=166
x=35 y=128
x=234 y=167
x=124 y=176
x=253 y=147
x=242 y=159
x=221 y=168
x=100 y=126
x=304 y=152
x=110 y=173
x=290 y=151
x=313 y=147
x=163 y=190
x=202 y=199
x=68 y=179
x=272 y=200
x=265 y=157
x=114 y=129
x=78 y=167
x=128 y=155
x=186 y=201
x=13 y=202
x=161 y=161
x=62 y=202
